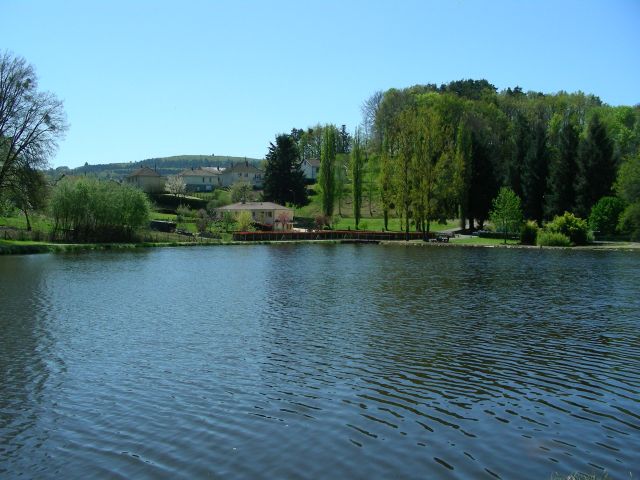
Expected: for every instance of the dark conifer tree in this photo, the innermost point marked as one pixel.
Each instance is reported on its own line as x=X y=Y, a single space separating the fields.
x=283 y=177
x=596 y=167
x=563 y=142
x=534 y=172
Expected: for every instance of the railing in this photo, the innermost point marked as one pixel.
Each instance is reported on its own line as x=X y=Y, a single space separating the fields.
x=357 y=235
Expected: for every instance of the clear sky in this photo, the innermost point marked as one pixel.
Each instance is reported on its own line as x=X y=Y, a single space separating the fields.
x=142 y=79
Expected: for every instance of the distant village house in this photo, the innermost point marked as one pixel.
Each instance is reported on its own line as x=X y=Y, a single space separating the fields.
x=311 y=168
x=242 y=172
x=147 y=179
x=203 y=179
x=266 y=214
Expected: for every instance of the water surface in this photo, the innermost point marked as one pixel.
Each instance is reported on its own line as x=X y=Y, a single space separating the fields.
x=320 y=361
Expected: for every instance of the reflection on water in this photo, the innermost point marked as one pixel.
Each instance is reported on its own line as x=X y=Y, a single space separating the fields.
x=320 y=362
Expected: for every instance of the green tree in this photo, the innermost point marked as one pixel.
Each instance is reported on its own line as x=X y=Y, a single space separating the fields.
x=244 y=219
x=93 y=210
x=357 y=172
x=596 y=166
x=507 y=212
x=564 y=138
x=534 y=171
x=241 y=192
x=28 y=190
x=283 y=177
x=628 y=188
x=605 y=215
x=327 y=181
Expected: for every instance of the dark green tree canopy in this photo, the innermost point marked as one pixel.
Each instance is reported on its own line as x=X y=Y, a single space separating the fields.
x=596 y=167
x=283 y=178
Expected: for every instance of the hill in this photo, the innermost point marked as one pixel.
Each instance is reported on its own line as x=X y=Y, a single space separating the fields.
x=164 y=165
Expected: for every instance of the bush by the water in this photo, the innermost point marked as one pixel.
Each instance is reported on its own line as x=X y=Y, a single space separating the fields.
x=529 y=233
x=605 y=215
x=552 y=239
x=575 y=228
x=89 y=210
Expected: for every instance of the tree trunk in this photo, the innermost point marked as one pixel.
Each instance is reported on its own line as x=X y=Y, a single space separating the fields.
x=385 y=214
x=406 y=225
x=26 y=216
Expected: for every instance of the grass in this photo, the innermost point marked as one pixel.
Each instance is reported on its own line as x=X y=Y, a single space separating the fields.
x=38 y=222
x=482 y=241
x=346 y=221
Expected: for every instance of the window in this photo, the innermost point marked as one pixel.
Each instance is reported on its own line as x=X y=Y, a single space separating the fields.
x=269 y=214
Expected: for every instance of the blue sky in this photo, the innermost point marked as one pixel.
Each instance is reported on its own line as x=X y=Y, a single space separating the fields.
x=143 y=79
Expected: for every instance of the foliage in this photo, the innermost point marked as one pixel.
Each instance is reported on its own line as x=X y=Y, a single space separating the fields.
x=628 y=180
x=564 y=138
x=357 y=168
x=29 y=192
x=596 y=166
x=183 y=212
x=630 y=221
x=91 y=210
x=574 y=228
x=202 y=221
x=31 y=122
x=244 y=220
x=175 y=185
x=605 y=215
x=326 y=180
x=228 y=221
x=628 y=187
x=507 y=212
x=241 y=192
x=284 y=180
x=529 y=233
x=552 y=239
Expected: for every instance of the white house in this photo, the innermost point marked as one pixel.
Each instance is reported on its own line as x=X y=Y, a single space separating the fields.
x=242 y=172
x=311 y=168
x=202 y=179
x=147 y=179
x=268 y=214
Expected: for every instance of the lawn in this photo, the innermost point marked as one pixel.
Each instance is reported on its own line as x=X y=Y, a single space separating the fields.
x=38 y=222
x=482 y=241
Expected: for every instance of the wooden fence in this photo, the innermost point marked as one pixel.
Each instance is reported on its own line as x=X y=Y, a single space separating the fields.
x=354 y=235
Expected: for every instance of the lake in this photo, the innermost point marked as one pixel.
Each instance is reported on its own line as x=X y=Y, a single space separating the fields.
x=320 y=361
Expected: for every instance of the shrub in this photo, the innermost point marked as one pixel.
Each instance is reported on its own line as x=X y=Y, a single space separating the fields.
x=529 y=233
x=552 y=239
x=202 y=221
x=575 y=228
x=245 y=221
x=605 y=215
x=630 y=221
x=183 y=212
x=93 y=210
x=363 y=225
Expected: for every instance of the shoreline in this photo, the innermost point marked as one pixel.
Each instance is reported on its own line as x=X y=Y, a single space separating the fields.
x=29 y=248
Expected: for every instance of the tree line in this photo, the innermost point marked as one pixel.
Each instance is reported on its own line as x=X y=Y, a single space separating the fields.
x=436 y=152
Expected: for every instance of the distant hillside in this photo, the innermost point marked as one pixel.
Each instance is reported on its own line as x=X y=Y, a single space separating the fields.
x=164 y=166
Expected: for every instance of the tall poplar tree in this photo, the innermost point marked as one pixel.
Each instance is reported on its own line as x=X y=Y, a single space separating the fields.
x=326 y=179
x=357 y=173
